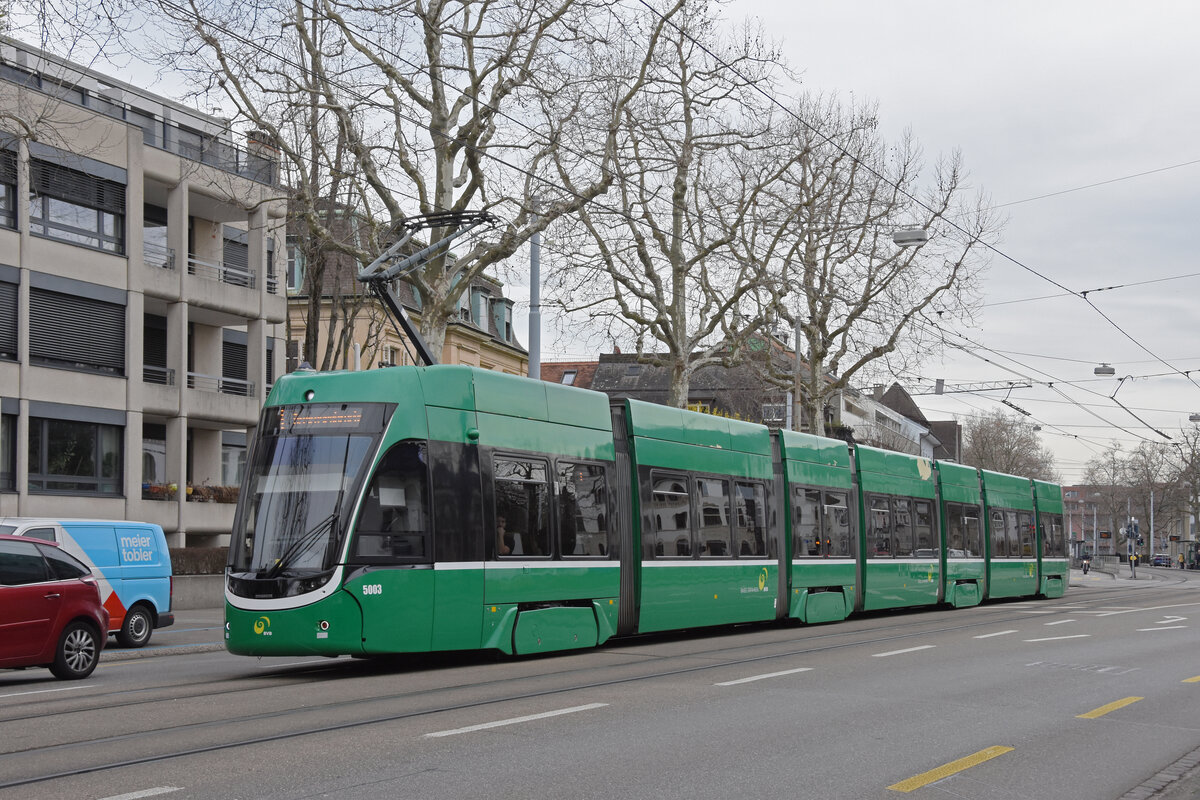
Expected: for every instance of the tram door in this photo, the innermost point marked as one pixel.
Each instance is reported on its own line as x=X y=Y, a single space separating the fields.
x=391 y=559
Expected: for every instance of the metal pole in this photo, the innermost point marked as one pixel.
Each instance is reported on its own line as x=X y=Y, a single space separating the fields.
x=1151 y=537
x=797 y=417
x=535 y=300
x=1095 y=535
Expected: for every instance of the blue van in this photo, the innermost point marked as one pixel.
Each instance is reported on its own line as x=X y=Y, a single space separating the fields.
x=130 y=561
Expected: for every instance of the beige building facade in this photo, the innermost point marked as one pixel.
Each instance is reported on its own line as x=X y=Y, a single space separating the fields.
x=140 y=307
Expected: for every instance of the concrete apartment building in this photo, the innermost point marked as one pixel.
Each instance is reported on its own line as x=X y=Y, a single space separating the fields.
x=139 y=302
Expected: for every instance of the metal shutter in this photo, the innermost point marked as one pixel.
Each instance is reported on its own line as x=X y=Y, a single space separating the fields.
x=70 y=330
x=233 y=361
x=154 y=341
x=8 y=320
x=8 y=167
x=76 y=187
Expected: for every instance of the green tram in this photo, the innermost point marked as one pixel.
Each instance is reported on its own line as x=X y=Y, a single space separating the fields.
x=417 y=509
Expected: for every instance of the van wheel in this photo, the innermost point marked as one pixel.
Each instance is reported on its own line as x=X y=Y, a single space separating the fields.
x=78 y=652
x=135 y=632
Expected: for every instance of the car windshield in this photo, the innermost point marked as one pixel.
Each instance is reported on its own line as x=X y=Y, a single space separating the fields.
x=306 y=464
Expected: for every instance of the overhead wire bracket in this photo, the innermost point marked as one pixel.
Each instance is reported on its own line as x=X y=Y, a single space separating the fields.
x=392 y=264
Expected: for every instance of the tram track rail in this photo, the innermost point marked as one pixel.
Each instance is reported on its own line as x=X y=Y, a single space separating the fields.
x=880 y=629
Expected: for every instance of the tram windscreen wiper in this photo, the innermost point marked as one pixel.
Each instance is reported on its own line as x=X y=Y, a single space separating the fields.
x=304 y=543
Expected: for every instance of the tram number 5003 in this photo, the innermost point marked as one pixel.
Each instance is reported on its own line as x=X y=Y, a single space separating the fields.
x=372 y=588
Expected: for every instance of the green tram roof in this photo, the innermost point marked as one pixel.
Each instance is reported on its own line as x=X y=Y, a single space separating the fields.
x=1048 y=496
x=674 y=438
x=894 y=473
x=468 y=404
x=959 y=483
x=815 y=460
x=1007 y=491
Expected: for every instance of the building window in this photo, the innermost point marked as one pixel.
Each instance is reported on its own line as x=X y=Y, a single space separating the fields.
x=75 y=207
x=568 y=378
x=8 y=452
x=8 y=321
x=74 y=457
x=295 y=266
x=8 y=189
x=701 y=406
x=233 y=464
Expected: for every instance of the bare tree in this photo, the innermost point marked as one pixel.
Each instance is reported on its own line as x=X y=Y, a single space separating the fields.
x=423 y=106
x=1006 y=443
x=1107 y=475
x=656 y=265
x=1149 y=470
x=863 y=304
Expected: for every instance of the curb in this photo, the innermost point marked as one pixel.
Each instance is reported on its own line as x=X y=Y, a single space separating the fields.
x=1177 y=781
x=123 y=654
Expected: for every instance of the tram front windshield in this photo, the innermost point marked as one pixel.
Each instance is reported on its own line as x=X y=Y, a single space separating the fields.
x=307 y=467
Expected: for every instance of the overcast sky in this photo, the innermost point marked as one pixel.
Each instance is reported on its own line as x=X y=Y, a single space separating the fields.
x=1045 y=97
x=1042 y=98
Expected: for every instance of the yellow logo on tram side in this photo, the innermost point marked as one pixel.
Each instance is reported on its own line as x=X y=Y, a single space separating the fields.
x=762 y=580
x=261 y=625
x=1032 y=569
x=924 y=468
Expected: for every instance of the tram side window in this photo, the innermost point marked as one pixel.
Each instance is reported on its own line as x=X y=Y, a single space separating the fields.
x=806 y=523
x=923 y=539
x=522 y=508
x=902 y=527
x=1012 y=534
x=712 y=503
x=835 y=519
x=1053 y=543
x=669 y=510
x=750 y=521
x=962 y=531
x=583 y=510
x=1025 y=534
x=394 y=524
x=879 y=532
x=999 y=543
x=972 y=532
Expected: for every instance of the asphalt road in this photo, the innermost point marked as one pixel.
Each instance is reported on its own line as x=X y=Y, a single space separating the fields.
x=1091 y=696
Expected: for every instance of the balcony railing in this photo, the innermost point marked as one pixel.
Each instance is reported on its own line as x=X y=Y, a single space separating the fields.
x=163 y=376
x=155 y=255
x=217 y=271
x=156 y=132
x=211 y=383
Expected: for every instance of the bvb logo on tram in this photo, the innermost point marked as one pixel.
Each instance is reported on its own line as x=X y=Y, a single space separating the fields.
x=262 y=626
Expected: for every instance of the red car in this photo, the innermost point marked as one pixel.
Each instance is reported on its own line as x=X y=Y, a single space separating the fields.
x=50 y=610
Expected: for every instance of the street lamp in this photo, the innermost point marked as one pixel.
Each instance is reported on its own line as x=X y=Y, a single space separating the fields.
x=910 y=237
x=1104 y=369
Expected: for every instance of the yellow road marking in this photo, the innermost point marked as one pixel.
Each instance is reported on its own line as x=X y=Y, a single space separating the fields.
x=1193 y=680
x=1102 y=710
x=946 y=770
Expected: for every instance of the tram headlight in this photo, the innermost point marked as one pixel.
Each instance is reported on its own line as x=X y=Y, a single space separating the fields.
x=323 y=625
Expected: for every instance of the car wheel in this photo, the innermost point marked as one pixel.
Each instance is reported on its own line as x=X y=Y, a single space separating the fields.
x=135 y=631
x=78 y=652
